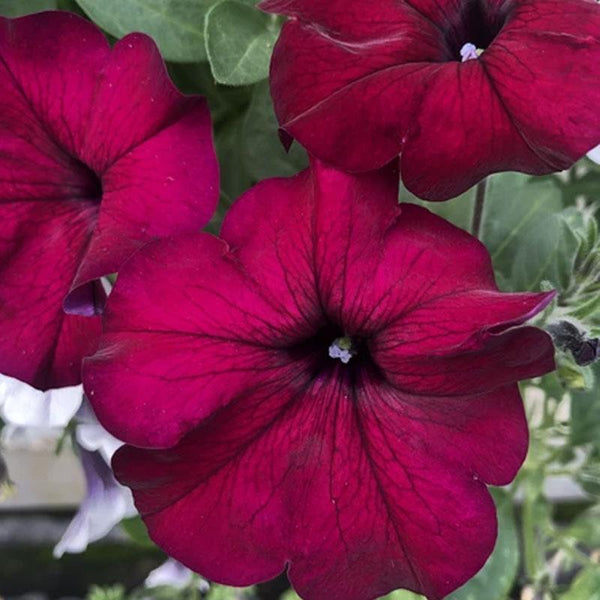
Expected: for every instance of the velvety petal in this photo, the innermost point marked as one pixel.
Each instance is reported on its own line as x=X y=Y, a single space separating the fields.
x=40 y=247
x=349 y=492
x=47 y=73
x=359 y=476
x=551 y=49
x=365 y=82
x=117 y=98
x=32 y=165
x=197 y=339
x=113 y=156
x=394 y=257
x=454 y=18
x=356 y=95
x=301 y=236
x=167 y=185
x=324 y=245
x=126 y=137
x=477 y=138
x=270 y=230
x=360 y=20
x=514 y=355
x=459 y=321
x=369 y=258
x=443 y=157
x=464 y=343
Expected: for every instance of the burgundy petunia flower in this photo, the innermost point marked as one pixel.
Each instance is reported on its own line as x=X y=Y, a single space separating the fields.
x=338 y=374
x=461 y=88
x=99 y=153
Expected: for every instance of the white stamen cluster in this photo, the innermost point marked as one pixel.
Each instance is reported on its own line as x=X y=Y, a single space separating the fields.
x=342 y=348
x=469 y=52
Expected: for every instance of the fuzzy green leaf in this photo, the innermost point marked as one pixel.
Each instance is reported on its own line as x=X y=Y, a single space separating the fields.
x=586 y=586
x=264 y=155
x=515 y=205
x=17 y=8
x=239 y=42
x=177 y=26
x=585 y=414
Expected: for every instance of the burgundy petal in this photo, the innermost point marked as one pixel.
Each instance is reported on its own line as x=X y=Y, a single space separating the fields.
x=358 y=84
x=358 y=475
x=443 y=157
x=215 y=344
x=96 y=148
x=40 y=344
x=461 y=343
x=159 y=188
x=358 y=499
x=343 y=245
x=554 y=45
x=350 y=107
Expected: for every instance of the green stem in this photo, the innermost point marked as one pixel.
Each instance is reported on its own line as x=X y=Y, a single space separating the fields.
x=531 y=542
x=480 y=191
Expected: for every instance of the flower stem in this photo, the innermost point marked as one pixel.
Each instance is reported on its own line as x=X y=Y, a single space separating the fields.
x=478 y=208
x=531 y=543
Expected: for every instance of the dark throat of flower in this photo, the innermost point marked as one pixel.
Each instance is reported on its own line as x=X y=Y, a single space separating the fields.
x=475 y=30
x=88 y=182
x=331 y=352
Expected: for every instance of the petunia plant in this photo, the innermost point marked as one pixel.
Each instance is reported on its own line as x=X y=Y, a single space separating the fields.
x=460 y=89
x=226 y=289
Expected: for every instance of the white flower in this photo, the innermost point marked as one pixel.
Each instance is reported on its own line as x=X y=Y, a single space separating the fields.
x=174 y=574
x=24 y=406
x=594 y=154
x=106 y=503
x=92 y=436
x=30 y=414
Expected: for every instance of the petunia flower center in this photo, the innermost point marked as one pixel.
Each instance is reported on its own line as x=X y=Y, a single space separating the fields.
x=94 y=187
x=88 y=183
x=331 y=352
x=476 y=28
x=470 y=52
x=342 y=348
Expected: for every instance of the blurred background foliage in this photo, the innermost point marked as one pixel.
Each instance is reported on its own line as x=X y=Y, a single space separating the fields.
x=542 y=233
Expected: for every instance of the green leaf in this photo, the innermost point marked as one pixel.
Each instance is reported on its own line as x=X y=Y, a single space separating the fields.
x=586 y=185
x=134 y=527
x=17 y=8
x=115 y=592
x=177 y=26
x=588 y=476
x=459 y=210
x=264 y=155
x=552 y=385
x=585 y=414
x=496 y=579
x=228 y=142
x=239 y=42
x=586 y=528
x=586 y=586
x=397 y=595
x=572 y=376
x=223 y=592
x=515 y=204
x=403 y=595
x=546 y=252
